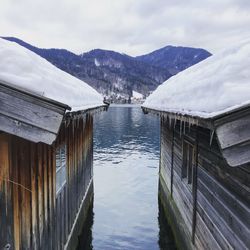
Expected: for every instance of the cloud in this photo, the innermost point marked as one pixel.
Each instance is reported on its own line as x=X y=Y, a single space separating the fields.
x=132 y=27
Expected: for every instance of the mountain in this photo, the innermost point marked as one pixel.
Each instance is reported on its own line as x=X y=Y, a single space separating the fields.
x=59 y=57
x=174 y=59
x=117 y=75
x=124 y=72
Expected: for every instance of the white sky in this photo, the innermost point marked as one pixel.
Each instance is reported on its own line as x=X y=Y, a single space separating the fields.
x=134 y=27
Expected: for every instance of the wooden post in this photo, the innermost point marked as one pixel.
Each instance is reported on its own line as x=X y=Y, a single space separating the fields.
x=195 y=186
x=172 y=163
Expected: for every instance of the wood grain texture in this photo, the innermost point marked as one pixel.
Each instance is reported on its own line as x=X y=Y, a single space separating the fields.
x=32 y=216
x=30 y=117
x=30 y=113
x=234 y=132
x=6 y=195
x=25 y=131
x=223 y=205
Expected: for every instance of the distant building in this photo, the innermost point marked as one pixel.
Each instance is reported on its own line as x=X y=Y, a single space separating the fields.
x=137 y=97
x=46 y=151
x=205 y=151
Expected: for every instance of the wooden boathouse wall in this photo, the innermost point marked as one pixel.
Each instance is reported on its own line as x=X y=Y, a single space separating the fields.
x=209 y=200
x=32 y=215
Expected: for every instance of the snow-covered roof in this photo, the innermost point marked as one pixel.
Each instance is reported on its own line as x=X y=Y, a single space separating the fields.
x=219 y=84
x=21 y=68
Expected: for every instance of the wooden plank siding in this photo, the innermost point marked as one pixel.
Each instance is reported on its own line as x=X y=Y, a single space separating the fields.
x=6 y=195
x=32 y=215
x=29 y=116
x=223 y=193
x=78 y=136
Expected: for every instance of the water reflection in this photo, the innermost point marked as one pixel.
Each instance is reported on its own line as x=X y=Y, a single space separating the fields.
x=166 y=238
x=85 y=240
x=126 y=159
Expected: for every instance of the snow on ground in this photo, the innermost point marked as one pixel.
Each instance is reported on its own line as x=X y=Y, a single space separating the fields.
x=216 y=85
x=23 y=68
x=137 y=95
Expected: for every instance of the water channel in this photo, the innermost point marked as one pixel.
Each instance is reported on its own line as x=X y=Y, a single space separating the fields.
x=126 y=214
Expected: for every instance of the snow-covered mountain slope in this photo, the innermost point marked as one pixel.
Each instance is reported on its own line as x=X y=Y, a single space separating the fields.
x=115 y=74
x=175 y=59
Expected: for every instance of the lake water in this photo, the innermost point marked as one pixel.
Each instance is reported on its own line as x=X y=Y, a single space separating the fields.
x=126 y=214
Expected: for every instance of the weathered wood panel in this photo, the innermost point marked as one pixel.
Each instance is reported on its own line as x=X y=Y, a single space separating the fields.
x=31 y=117
x=225 y=235
x=223 y=205
x=33 y=113
x=26 y=131
x=238 y=154
x=6 y=218
x=24 y=192
x=16 y=199
x=234 y=132
x=78 y=137
x=32 y=215
x=34 y=200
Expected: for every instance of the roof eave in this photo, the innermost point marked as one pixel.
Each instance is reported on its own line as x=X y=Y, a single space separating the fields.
x=196 y=120
x=231 y=128
x=29 y=116
x=34 y=95
x=81 y=113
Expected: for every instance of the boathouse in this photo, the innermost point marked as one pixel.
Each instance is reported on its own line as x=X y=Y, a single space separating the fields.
x=205 y=151
x=46 y=151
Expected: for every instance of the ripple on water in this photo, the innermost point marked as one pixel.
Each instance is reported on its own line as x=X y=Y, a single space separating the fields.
x=126 y=160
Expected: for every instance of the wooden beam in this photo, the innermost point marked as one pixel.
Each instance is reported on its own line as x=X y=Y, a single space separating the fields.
x=234 y=132
x=29 y=112
x=29 y=116
x=237 y=155
x=172 y=161
x=194 y=188
x=18 y=91
x=195 y=120
x=26 y=131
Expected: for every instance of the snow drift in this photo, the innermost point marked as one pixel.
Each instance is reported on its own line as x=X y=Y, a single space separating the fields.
x=219 y=84
x=22 y=68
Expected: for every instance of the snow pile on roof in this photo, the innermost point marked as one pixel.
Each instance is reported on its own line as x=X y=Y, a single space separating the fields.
x=22 y=68
x=212 y=87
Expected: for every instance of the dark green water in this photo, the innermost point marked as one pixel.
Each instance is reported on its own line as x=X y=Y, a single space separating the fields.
x=126 y=214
